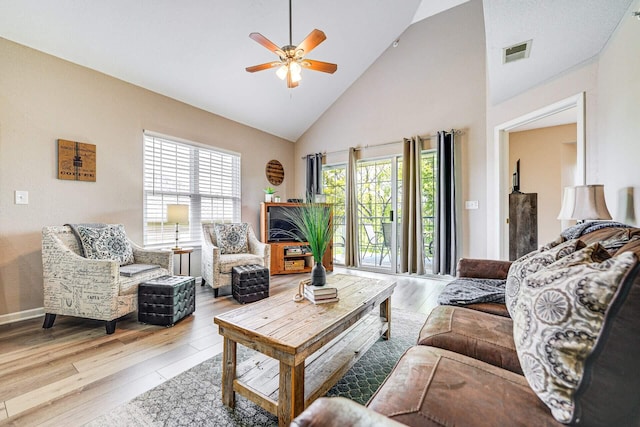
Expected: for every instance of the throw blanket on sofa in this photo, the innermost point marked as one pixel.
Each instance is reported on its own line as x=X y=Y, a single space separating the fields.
x=466 y=290
x=578 y=230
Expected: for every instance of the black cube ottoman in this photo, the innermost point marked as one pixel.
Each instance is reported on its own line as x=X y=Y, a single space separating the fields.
x=166 y=299
x=249 y=283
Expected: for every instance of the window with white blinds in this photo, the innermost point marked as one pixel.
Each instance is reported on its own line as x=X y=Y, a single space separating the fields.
x=205 y=179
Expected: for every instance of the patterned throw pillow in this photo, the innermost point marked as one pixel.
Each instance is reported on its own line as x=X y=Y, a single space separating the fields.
x=558 y=319
x=594 y=252
x=108 y=242
x=532 y=262
x=232 y=238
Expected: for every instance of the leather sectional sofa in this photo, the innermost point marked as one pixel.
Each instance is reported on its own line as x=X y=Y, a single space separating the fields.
x=476 y=365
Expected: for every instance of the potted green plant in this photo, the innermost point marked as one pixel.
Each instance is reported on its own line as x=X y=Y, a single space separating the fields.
x=313 y=220
x=268 y=194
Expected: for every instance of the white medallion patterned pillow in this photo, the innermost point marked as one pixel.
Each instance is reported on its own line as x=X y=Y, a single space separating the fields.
x=107 y=242
x=232 y=238
x=558 y=319
x=533 y=262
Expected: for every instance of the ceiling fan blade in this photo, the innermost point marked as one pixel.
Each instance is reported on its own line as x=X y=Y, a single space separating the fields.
x=261 y=67
x=314 y=38
x=267 y=43
x=325 y=67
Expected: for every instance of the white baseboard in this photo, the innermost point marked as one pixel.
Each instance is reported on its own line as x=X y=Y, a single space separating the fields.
x=21 y=315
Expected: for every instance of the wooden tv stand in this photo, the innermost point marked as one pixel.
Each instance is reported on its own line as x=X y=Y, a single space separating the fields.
x=282 y=261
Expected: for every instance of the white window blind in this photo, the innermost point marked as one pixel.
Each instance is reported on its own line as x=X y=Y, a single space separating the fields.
x=205 y=179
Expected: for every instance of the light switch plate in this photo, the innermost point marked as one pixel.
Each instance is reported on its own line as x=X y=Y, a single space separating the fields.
x=471 y=204
x=21 y=197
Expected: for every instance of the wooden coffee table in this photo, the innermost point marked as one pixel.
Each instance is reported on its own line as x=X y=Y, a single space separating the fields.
x=298 y=340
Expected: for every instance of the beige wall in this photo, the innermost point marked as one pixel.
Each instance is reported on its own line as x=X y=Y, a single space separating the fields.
x=619 y=115
x=434 y=80
x=547 y=158
x=43 y=98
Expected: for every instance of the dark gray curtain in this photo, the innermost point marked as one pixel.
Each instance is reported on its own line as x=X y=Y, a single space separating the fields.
x=314 y=175
x=412 y=253
x=352 y=249
x=445 y=255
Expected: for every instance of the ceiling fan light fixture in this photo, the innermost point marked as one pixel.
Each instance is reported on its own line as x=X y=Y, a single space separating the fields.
x=282 y=72
x=295 y=77
x=292 y=58
x=295 y=68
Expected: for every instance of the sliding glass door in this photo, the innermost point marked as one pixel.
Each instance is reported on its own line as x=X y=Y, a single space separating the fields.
x=428 y=177
x=379 y=193
x=334 y=183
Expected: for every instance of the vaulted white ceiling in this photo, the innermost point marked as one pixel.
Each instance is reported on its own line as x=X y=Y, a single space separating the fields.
x=196 y=50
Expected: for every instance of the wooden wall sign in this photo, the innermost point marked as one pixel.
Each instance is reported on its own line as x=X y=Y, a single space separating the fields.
x=76 y=161
x=274 y=172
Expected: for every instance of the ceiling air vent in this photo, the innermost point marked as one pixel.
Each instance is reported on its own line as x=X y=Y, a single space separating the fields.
x=517 y=51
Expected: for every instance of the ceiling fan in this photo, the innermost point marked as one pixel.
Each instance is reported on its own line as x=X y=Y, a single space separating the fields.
x=292 y=58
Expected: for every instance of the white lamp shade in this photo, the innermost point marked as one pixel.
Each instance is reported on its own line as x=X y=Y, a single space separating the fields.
x=590 y=203
x=568 y=202
x=282 y=72
x=178 y=214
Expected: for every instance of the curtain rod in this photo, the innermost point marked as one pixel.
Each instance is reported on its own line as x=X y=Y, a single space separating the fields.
x=324 y=153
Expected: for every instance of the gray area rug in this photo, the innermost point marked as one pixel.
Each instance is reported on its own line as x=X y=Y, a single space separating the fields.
x=193 y=397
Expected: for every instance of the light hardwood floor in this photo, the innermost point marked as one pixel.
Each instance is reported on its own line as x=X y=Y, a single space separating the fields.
x=74 y=372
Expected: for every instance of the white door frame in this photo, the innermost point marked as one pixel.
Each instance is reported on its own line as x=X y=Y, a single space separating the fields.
x=498 y=174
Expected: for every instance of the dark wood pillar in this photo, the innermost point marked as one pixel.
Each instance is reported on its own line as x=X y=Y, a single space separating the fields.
x=523 y=224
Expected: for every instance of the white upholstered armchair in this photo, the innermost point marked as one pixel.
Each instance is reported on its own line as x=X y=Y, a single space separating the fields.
x=93 y=288
x=217 y=265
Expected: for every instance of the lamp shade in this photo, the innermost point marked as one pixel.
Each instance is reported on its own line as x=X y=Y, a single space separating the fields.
x=568 y=202
x=178 y=214
x=590 y=203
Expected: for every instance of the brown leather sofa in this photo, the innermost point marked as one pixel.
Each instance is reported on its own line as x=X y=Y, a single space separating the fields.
x=465 y=369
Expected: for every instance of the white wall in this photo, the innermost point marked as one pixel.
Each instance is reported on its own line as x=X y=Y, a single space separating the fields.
x=434 y=80
x=43 y=98
x=619 y=114
x=567 y=85
x=612 y=91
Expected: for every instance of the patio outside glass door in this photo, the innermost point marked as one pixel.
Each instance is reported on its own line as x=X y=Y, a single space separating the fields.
x=377 y=190
x=334 y=183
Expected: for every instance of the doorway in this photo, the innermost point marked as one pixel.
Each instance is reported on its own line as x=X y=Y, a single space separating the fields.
x=498 y=182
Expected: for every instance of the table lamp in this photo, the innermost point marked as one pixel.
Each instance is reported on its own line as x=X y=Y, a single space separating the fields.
x=178 y=214
x=590 y=204
x=568 y=203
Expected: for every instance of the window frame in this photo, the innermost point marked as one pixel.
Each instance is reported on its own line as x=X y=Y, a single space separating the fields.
x=209 y=196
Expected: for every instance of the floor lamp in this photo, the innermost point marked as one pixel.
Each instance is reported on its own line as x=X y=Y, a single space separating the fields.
x=178 y=214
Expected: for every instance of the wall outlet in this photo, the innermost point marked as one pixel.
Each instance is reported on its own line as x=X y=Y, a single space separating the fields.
x=471 y=204
x=21 y=197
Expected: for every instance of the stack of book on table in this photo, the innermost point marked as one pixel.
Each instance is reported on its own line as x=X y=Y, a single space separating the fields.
x=321 y=294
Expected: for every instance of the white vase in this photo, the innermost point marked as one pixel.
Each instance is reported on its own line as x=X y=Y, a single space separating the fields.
x=268 y=197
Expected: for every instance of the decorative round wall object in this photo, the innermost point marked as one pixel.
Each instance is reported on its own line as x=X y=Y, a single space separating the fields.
x=275 y=172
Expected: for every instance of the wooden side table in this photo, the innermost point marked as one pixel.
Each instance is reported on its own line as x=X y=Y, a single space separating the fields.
x=181 y=252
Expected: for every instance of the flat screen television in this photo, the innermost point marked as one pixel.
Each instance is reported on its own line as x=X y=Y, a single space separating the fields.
x=280 y=227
